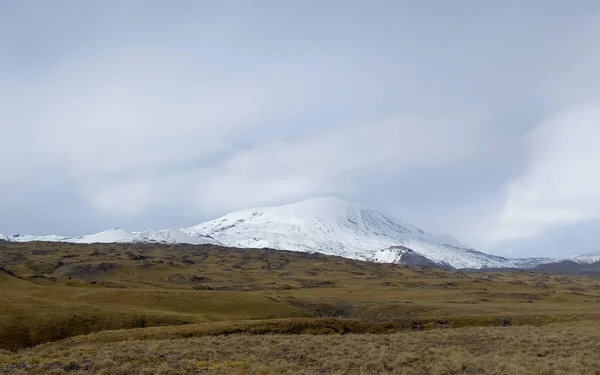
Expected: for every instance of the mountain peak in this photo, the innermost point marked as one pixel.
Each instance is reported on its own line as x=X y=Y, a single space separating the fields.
x=115 y=230
x=321 y=202
x=328 y=225
x=334 y=226
x=323 y=208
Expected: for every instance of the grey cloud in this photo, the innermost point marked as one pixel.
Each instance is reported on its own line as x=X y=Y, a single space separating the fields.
x=162 y=115
x=561 y=185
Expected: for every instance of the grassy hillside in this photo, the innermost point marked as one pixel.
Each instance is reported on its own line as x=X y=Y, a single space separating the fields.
x=51 y=291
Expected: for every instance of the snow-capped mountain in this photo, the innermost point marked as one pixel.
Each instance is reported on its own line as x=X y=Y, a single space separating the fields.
x=335 y=227
x=324 y=225
x=120 y=235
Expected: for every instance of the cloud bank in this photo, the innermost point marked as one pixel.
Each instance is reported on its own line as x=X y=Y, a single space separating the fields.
x=480 y=121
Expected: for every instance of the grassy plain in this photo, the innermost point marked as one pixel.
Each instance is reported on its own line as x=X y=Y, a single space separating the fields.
x=162 y=298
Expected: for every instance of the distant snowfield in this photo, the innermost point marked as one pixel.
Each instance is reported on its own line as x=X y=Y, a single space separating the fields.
x=324 y=225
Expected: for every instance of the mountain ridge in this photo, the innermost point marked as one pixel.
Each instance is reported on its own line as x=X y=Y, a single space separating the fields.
x=119 y=235
x=335 y=227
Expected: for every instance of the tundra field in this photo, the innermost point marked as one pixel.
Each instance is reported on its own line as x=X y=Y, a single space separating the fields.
x=160 y=309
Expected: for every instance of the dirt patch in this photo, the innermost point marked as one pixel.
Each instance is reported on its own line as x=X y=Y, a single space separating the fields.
x=181 y=279
x=41 y=278
x=315 y=283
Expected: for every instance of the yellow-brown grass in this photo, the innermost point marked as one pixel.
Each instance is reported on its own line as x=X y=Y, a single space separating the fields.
x=51 y=291
x=565 y=348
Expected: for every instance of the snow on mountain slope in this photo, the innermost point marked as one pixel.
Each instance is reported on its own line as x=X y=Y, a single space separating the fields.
x=443 y=255
x=29 y=238
x=107 y=236
x=3 y=237
x=120 y=235
x=173 y=236
x=333 y=226
x=449 y=256
x=582 y=259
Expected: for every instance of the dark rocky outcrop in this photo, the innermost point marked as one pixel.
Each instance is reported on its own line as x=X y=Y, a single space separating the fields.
x=408 y=257
x=568 y=267
x=85 y=271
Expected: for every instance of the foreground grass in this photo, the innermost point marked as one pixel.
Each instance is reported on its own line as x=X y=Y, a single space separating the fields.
x=565 y=348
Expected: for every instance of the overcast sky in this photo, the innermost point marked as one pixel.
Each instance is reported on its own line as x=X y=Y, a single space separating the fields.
x=480 y=119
